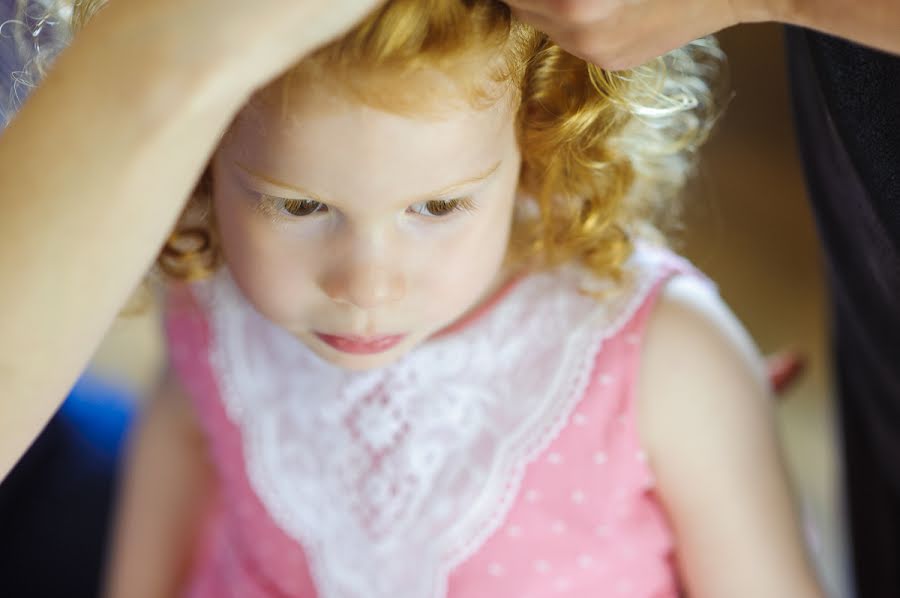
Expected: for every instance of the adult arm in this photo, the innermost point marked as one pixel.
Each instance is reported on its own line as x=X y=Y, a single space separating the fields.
x=97 y=165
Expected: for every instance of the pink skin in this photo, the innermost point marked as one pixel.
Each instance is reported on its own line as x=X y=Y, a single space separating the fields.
x=373 y=275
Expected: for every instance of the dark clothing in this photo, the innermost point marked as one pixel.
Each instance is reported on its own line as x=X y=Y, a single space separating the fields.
x=55 y=504
x=847 y=114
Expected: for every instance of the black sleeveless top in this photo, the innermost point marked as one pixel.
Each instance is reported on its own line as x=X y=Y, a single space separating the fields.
x=847 y=116
x=847 y=113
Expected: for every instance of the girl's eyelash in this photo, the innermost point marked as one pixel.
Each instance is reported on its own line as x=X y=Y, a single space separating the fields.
x=281 y=209
x=438 y=208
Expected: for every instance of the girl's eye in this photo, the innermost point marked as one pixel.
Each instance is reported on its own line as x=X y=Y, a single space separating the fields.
x=443 y=207
x=296 y=207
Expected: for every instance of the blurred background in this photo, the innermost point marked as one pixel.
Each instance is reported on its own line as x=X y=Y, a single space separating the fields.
x=746 y=225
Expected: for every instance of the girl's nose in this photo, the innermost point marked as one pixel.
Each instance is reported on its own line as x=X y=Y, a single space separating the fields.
x=365 y=286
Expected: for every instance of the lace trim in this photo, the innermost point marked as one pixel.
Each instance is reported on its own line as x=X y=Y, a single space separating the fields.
x=531 y=450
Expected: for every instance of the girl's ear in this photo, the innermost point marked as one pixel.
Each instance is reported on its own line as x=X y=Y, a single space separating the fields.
x=191 y=252
x=202 y=194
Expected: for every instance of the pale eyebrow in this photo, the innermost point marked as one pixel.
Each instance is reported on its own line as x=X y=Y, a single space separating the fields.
x=275 y=182
x=467 y=182
x=306 y=193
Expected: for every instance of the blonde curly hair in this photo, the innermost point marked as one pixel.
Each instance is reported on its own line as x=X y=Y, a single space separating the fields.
x=603 y=153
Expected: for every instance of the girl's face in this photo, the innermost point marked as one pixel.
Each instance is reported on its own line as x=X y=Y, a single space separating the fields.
x=363 y=232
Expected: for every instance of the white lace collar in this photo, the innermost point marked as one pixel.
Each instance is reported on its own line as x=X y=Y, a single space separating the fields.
x=418 y=462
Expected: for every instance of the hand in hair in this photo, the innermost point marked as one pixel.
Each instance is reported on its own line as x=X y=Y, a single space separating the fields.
x=620 y=34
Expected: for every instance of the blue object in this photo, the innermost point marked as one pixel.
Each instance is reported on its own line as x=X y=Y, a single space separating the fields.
x=99 y=413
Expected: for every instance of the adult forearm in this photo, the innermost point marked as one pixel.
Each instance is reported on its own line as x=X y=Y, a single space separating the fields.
x=874 y=23
x=93 y=173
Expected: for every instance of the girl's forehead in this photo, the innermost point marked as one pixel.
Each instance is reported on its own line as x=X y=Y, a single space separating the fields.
x=425 y=96
x=318 y=120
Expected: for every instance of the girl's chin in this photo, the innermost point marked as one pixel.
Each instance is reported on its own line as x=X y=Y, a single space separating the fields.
x=362 y=363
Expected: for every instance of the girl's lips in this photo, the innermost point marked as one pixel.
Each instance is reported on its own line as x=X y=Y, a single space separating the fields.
x=361 y=345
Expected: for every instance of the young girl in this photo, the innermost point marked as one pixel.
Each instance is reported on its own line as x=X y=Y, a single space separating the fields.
x=424 y=343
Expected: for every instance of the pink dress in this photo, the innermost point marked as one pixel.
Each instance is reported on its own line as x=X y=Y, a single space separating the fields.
x=499 y=459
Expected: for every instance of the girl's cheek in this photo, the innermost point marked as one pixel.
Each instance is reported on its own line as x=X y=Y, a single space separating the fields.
x=250 y=246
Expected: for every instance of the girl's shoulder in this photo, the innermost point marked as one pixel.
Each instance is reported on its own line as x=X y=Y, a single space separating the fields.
x=706 y=419
x=693 y=338
x=691 y=343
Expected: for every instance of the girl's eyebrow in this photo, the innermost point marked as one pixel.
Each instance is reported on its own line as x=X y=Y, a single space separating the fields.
x=465 y=183
x=273 y=181
x=443 y=191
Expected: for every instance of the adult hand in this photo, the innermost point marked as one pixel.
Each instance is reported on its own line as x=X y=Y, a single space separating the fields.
x=620 y=34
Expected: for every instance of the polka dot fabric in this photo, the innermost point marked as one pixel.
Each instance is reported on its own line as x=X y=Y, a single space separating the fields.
x=584 y=524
